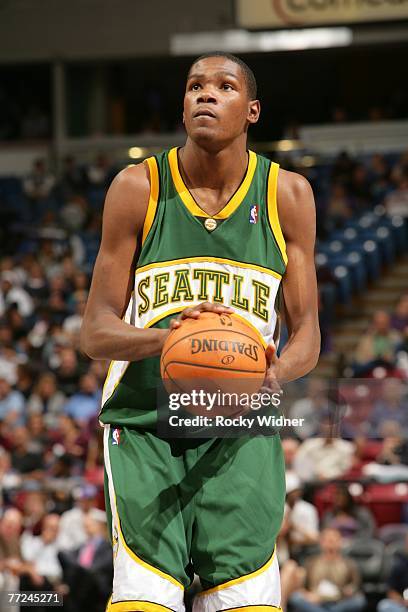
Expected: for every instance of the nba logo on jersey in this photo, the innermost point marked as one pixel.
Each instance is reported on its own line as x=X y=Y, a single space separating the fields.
x=253 y=213
x=115 y=436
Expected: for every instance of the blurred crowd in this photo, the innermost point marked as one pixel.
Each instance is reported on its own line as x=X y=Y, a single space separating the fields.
x=53 y=528
x=352 y=186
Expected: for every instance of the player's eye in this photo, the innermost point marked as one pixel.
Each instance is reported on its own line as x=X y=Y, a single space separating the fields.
x=195 y=86
x=227 y=86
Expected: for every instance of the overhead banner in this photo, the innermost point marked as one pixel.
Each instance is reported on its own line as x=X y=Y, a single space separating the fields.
x=284 y=13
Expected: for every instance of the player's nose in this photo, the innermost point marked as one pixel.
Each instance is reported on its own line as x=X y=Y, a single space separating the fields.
x=206 y=96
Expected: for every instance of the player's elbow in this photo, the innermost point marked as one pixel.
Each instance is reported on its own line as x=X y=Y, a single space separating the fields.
x=88 y=343
x=314 y=351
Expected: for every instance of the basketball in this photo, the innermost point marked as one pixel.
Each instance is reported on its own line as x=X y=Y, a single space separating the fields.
x=213 y=353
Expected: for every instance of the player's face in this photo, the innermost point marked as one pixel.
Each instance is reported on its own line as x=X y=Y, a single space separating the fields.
x=217 y=109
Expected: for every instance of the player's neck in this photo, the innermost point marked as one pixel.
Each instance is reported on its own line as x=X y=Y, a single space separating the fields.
x=213 y=169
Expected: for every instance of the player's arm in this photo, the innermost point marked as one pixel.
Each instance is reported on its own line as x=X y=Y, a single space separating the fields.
x=103 y=334
x=298 y=221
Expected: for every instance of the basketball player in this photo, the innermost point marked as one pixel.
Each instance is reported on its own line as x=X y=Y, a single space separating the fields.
x=210 y=226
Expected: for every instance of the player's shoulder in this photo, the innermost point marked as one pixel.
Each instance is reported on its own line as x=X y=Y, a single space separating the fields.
x=296 y=204
x=127 y=198
x=293 y=186
x=133 y=177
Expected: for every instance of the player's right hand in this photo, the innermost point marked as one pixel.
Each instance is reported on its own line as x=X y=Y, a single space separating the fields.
x=193 y=312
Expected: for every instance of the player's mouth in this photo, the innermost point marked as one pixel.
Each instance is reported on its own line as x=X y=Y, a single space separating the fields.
x=204 y=112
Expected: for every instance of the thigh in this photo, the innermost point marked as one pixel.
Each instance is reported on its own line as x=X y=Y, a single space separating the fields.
x=238 y=513
x=150 y=526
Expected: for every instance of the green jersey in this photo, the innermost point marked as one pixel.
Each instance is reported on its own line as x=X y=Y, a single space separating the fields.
x=236 y=257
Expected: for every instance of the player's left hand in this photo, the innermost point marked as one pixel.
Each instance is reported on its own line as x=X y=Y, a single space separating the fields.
x=193 y=312
x=271 y=382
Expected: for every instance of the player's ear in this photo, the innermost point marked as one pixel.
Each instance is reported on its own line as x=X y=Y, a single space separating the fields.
x=254 y=110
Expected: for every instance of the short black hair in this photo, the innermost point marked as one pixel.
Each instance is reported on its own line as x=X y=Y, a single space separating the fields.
x=249 y=76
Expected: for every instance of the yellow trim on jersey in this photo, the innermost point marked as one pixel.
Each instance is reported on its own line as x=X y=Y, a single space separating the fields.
x=188 y=199
x=273 y=210
x=235 y=314
x=153 y=198
x=116 y=383
x=107 y=376
x=236 y=581
x=129 y=606
x=221 y=260
x=166 y=314
x=132 y=554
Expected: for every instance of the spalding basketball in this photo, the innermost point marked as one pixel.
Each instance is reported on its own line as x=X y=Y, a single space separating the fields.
x=213 y=353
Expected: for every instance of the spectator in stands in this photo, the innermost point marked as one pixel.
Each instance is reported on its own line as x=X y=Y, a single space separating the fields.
x=74 y=213
x=100 y=172
x=380 y=177
x=397 y=595
x=94 y=470
x=402 y=353
x=72 y=533
x=9 y=479
x=46 y=399
x=325 y=457
x=300 y=528
x=36 y=284
x=400 y=168
x=399 y=319
x=378 y=345
x=339 y=205
x=88 y=571
x=68 y=371
x=72 y=182
x=396 y=203
x=38 y=433
x=15 y=271
x=11 y=295
x=310 y=407
x=38 y=185
x=40 y=569
x=25 y=377
x=360 y=189
x=342 y=168
x=71 y=439
x=332 y=580
x=394 y=450
x=8 y=354
x=347 y=517
x=18 y=325
x=11 y=404
x=72 y=324
x=11 y=524
x=84 y=404
x=290 y=447
x=391 y=463
x=391 y=407
x=34 y=506
x=25 y=457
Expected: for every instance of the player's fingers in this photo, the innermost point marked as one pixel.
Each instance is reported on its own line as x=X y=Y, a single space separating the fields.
x=211 y=307
x=174 y=324
x=189 y=313
x=270 y=354
x=194 y=311
x=272 y=383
